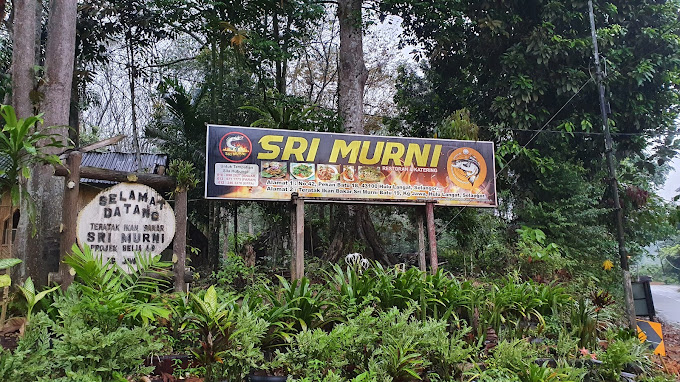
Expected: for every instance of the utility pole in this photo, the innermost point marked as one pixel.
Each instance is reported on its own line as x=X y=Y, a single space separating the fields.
x=614 y=184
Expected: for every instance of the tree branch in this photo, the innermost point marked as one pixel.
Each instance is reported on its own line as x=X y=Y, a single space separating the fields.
x=164 y=64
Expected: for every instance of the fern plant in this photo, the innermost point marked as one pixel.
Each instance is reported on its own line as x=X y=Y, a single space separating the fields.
x=129 y=294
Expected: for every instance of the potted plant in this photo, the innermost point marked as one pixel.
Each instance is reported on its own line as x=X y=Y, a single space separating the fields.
x=269 y=371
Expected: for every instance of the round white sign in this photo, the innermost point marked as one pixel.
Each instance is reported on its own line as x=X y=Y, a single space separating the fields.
x=125 y=219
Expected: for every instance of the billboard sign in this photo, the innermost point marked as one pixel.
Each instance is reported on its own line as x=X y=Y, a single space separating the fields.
x=270 y=164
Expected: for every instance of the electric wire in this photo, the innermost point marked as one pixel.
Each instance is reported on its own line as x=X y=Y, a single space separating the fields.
x=507 y=165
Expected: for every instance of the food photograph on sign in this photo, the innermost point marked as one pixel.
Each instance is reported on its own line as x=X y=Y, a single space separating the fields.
x=270 y=164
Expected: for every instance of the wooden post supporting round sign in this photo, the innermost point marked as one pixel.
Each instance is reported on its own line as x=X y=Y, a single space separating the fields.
x=69 y=213
x=180 y=243
x=125 y=219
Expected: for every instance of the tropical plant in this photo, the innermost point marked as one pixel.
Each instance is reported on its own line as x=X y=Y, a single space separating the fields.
x=128 y=293
x=622 y=352
x=5 y=279
x=584 y=322
x=70 y=350
x=229 y=335
x=32 y=298
x=355 y=290
x=308 y=307
x=21 y=147
x=184 y=174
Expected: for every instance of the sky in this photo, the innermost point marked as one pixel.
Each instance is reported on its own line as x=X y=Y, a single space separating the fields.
x=672 y=182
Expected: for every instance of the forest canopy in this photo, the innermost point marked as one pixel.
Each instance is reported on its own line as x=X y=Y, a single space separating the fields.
x=520 y=74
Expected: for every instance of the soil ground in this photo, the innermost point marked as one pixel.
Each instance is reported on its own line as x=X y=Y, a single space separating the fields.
x=671 y=338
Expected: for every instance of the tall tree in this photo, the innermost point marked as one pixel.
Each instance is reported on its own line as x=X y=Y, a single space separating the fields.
x=41 y=252
x=353 y=226
x=524 y=71
x=24 y=28
x=352 y=73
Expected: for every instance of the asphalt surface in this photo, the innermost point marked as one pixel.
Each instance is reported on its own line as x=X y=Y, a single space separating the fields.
x=667 y=303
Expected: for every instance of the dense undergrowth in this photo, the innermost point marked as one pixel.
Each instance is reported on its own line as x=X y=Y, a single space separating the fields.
x=374 y=324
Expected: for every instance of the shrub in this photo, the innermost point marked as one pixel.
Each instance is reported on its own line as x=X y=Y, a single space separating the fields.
x=71 y=350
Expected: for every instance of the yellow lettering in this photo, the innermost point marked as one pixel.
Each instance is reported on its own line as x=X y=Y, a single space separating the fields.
x=266 y=144
x=291 y=148
x=343 y=149
x=420 y=154
x=312 y=149
x=435 y=155
x=390 y=154
x=377 y=153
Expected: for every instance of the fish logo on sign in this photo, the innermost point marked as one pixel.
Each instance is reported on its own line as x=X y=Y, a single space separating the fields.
x=651 y=332
x=466 y=168
x=235 y=147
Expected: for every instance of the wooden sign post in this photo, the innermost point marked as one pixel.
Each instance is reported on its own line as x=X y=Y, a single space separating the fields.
x=297 y=217
x=422 y=263
x=432 y=237
x=179 y=246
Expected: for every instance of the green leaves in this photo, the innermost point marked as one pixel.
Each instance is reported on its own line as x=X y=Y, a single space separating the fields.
x=130 y=293
x=28 y=290
x=184 y=173
x=8 y=263
x=229 y=333
x=22 y=145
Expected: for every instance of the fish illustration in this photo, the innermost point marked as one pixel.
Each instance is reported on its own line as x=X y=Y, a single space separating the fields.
x=470 y=166
x=233 y=147
x=230 y=142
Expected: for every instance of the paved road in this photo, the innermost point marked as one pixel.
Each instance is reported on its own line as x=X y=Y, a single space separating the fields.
x=667 y=303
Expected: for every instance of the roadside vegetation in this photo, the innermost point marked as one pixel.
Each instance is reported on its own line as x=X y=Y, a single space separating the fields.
x=356 y=323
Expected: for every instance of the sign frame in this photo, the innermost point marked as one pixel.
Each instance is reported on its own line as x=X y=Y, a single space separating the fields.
x=226 y=167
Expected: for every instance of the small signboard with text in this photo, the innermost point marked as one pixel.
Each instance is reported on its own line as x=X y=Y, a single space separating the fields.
x=269 y=164
x=125 y=219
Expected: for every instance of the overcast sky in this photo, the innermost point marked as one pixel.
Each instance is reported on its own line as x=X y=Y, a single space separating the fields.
x=673 y=182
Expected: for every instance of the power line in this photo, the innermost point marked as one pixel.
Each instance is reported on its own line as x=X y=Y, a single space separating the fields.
x=523 y=147
x=580 y=132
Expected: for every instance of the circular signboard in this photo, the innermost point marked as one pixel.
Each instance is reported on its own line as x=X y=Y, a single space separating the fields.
x=125 y=219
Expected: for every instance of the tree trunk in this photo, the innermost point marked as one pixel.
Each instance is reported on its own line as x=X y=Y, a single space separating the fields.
x=23 y=60
x=23 y=55
x=352 y=73
x=41 y=252
x=355 y=227
x=132 y=74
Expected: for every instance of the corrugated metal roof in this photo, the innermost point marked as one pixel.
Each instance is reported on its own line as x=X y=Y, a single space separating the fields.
x=126 y=162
